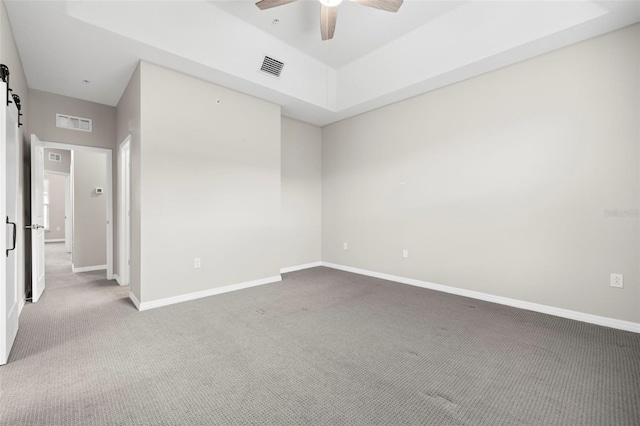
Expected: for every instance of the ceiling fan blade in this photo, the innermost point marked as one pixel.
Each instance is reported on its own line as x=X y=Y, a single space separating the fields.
x=328 y=18
x=388 y=5
x=268 y=4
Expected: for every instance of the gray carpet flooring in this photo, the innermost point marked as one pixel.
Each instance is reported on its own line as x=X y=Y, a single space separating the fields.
x=321 y=347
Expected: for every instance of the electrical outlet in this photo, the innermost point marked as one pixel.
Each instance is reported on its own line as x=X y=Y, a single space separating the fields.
x=196 y=262
x=617 y=280
x=405 y=254
x=57 y=228
x=345 y=246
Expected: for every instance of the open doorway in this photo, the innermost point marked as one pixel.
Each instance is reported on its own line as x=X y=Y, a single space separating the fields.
x=76 y=206
x=57 y=197
x=57 y=212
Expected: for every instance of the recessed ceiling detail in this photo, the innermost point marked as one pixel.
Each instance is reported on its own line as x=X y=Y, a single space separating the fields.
x=379 y=58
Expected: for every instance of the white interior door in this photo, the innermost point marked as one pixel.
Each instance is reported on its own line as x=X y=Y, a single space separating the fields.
x=9 y=298
x=37 y=218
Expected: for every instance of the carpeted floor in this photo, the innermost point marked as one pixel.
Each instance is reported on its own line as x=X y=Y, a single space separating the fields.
x=322 y=347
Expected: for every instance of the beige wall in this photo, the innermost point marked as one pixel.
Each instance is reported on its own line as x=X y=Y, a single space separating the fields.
x=56 y=207
x=64 y=166
x=301 y=193
x=43 y=111
x=210 y=185
x=10 y=57
x=44 y=106
x=128 y=123
x=89 y=209
x=500 y=184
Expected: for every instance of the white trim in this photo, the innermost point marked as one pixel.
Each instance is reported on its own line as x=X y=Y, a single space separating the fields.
x=135 y=300
x=124 y=209
x=110 y=214
x=550 y=310
x=88 y=268
x=53 y=172
x=71 y=212
x=205 y=293
x=117 y=278
x=55 y=240
x=68 y=214
x=300 y=267
x=21 y=305
x=109 y=153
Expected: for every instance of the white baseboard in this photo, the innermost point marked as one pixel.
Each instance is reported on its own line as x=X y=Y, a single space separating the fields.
x=205 y=293
x=21 y=305
x=58 y=240
x=300 y=267
x=135 y=300
x=88 y=268
x=559 y=312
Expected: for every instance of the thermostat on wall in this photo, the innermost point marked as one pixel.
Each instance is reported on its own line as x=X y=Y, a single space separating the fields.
x=99 y=190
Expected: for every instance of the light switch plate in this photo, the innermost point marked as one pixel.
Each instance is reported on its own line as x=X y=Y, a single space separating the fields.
x=617 y=281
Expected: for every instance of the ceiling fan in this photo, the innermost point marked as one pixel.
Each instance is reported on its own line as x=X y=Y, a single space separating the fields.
x=329 y=11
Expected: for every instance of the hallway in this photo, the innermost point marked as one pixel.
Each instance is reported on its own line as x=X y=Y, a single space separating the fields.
x=67 y=293
x=57 y=344
x=59 y=277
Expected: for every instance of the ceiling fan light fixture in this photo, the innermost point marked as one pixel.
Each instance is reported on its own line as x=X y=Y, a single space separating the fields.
x=329 y=11
x=330 y=3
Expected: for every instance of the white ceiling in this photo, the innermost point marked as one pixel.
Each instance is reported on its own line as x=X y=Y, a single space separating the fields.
x=359 y=30
x=375 y=58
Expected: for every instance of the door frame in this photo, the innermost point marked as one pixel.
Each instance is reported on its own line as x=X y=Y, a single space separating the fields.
x=68 y=213
x=67 y=188
x=124 y=211
x=109 y=155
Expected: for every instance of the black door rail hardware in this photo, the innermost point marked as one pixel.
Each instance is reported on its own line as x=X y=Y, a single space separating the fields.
x=4 y=75
x=16 y=100
x=15 y=228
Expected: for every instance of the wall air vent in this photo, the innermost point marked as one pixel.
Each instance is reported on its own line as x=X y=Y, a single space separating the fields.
x=74 y=123
x=55 y=157
x=271 y=66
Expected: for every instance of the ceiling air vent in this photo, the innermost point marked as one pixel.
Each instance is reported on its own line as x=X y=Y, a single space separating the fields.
x=271 y=66
x=74 y=123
